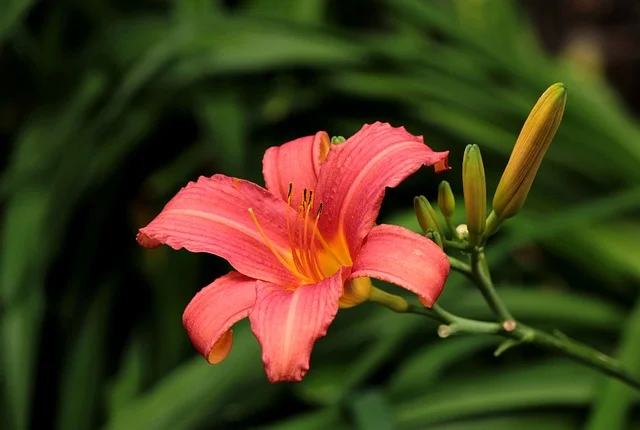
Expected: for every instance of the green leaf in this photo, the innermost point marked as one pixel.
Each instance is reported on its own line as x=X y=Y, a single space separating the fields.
x=333 y=382
x=127 y=384
x=84 y=367
x=56 y=127
x=11 y=12
x=425 y=366
x=224 y=118
x=21 y=274
x=545 y=305
x=245 y=45
x=613 y=404
x=24 y=227
x=197 y=391
x=325 y=418
x=519 y=421
x=555 y=383
x=20 y=324
x=371 y=411
x=190 y=10
x=300 y=12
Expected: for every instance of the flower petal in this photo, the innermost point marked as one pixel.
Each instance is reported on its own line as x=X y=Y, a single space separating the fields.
x=214 y=309
x=353 y=178
x=296 y=162
x=407 y=259
x=287 y=323
x=212 y=215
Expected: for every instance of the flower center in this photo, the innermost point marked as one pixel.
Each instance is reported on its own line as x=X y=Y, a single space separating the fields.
x=310 y=257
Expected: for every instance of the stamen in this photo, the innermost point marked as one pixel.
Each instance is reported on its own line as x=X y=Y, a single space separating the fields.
x=305 y=262
x=305 y=237
x=301 y=232
x=267 y=242
x=316 y=261
x=294 y=252
x=310 y=256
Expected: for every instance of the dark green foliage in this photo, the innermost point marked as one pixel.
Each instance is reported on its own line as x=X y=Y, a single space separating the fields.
x=109 y=107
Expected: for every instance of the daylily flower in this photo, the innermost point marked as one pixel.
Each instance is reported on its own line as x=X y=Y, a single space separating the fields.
x=304 y=246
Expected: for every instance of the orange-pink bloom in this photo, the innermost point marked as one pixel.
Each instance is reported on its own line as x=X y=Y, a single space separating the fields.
x=302 y=245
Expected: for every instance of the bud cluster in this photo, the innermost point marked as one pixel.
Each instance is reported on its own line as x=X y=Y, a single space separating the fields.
x=535 y=137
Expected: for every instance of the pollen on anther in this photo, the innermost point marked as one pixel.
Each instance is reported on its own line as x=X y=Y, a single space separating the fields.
x=290 y=190
x=319 y=209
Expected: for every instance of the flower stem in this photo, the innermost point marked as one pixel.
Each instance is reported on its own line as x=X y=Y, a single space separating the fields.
x=452 y=228
x=525 y=334
x=454 y=324
x=515 y=332
x=460 y=267
x=390 y=301
x=482 y=279
x=574 y=350
x=460 y=246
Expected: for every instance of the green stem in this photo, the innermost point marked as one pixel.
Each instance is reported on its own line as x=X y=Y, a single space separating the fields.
x=453 y=323
x=574 y=350
x=460 y=246
x=525 y=334
x=492 y=225
x=461 y=267
x=482 y=278
x=452 y=229
x=518 y=332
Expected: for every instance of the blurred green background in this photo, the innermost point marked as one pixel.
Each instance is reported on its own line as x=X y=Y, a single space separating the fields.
x=108 y=107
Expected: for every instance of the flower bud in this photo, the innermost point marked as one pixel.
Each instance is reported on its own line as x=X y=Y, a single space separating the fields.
x=427 y=216
x=462 y=231
x=446 y=200
x=475 y=192
x=533 y=142
x=336 y=140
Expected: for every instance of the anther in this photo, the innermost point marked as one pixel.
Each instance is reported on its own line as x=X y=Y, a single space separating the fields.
x=319 y=210
x=290 y=190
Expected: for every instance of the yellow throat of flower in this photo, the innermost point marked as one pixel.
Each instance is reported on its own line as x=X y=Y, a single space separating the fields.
x=310 y=257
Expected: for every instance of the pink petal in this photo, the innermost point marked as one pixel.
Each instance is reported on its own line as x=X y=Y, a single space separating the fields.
x=211 y=313
x=287 y=323
x=296 y=162
x=407 y=259
x=353 y=178
x=212 y=215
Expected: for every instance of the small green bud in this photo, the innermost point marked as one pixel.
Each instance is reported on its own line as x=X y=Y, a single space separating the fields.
x=335 y=140
x=475 y=192
x=446 y=200
x=427 y=216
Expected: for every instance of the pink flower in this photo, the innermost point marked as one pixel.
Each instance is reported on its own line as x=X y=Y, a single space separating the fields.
x=304 y=246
